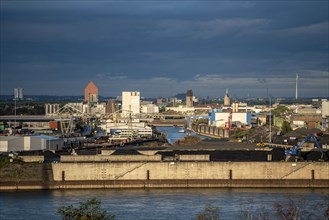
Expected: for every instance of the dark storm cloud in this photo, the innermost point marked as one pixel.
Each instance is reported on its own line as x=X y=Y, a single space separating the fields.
x=151 y=46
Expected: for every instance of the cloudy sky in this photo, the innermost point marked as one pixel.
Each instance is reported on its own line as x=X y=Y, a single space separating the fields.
x=162 y=48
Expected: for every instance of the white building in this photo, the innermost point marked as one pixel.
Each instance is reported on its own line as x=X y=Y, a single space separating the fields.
x=76 y=105
x=50 y=109
x=30 y=143
x=149 y=109
x=181 y=109
x=18 y=93
x=126 y=129
x=131 y=102
x=221 y=118
x=185 y=110
x=243 y=107
x=325 y=109
x=325 y=114
x=98 y=109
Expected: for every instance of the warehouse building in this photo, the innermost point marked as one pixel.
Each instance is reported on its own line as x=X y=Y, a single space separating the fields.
x=220 y=119
x=30 y=143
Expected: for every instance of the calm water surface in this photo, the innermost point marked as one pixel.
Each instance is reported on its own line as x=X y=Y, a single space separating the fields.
x=173 y=134
x=155 y=203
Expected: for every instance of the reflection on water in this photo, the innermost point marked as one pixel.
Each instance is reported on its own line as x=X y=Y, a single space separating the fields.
x=152 y=203
x=173 y=133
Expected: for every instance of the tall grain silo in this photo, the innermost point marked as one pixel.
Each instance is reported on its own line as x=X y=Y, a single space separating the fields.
x=325 y=109
x=325 y=115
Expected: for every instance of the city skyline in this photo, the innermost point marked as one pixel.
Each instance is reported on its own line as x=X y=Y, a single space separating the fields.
x=164 y=48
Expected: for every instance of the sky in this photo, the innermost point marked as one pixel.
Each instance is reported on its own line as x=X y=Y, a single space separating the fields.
x=161 y=48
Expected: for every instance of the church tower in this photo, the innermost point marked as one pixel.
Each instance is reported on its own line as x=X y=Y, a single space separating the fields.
x=227 y=101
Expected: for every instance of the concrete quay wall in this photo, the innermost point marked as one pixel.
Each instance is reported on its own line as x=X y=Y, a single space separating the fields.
x=104 y=158
x=115 y=184
x=29 y=159
x=210 y=131
x=106 y=171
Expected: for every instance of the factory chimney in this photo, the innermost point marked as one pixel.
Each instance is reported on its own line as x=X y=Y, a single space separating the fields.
x=296 y=86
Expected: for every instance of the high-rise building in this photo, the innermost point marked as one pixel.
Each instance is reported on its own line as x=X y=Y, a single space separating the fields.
x=18 y=93
x=227 y=101
x=189 y=98
x=91 y=93
x=130 y=102
x=111 y=107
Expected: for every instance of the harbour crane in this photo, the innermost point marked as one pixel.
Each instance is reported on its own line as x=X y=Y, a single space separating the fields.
x=294 y=152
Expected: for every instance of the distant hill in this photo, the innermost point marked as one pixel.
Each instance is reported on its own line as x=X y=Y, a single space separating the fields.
x=181 y=96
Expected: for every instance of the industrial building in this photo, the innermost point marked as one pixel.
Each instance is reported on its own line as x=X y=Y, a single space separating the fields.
x=98 y=109
x=185 y=110
x=189 y=98
x=33 y=122
x=111 y=107
x=221 y=118
x=150 y=109
x=325 y=115
x=30 y=143
x=306 y=120
x=130 y=103
x=127 y=129
x=51 y=109
x=91 y=93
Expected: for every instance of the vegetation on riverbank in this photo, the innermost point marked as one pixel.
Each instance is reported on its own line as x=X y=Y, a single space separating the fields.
x=89 y=210
x=188 y=140
x=285 y=210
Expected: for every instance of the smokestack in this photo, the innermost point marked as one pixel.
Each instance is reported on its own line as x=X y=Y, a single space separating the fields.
x=296 y=86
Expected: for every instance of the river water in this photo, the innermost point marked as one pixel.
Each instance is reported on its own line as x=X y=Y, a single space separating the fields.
x=173 y=133
x=162 y=203
x=140 y=204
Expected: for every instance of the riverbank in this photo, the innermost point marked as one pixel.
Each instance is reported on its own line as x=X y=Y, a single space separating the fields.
x=150 y=184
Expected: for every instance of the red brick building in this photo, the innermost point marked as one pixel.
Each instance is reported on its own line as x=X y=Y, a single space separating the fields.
x=91 y=93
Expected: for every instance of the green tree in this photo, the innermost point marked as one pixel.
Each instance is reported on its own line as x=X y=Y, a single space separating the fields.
x=209 y=213
x=90 y=210
x=285 y=128
x=279 y=110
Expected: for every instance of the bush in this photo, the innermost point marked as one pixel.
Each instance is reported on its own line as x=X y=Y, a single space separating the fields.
x=90 y=210
x=209 y=213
